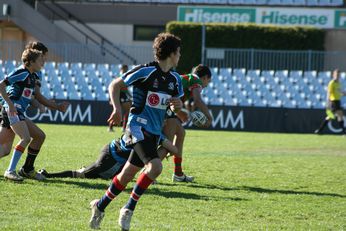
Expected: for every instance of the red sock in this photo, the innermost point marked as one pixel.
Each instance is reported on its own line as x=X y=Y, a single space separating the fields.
x=177 y=165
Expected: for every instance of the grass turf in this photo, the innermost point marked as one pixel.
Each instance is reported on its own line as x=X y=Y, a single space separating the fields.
x=244 y=181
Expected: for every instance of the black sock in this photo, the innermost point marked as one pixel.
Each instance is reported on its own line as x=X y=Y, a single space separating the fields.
x=63 y=174
x=30 y=159
x=341 y=124
x=323 y=124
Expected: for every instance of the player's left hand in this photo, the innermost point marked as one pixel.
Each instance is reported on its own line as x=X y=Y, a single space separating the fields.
x=207 y=124
x=63 y=106
x=175 y=104
x=115 y=118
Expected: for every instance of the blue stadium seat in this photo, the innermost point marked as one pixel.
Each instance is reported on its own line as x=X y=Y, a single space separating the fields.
x=9 y=66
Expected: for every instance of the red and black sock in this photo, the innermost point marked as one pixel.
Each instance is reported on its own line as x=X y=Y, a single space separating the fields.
x=30 y=159
x=114 y=190
x=142 y=184
x=177 y=165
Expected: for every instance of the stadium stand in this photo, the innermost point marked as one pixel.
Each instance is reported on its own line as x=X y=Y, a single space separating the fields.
x=316 y=3
x=231 y=87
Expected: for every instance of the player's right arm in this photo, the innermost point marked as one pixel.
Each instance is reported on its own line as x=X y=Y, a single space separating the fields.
x=114 y=94
x=3 y=93
x=51 y=104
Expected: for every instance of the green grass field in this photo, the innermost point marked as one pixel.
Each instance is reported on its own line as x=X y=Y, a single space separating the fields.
x=244 y=181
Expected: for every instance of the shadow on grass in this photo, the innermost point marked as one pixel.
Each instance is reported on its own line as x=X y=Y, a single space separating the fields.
x=70 y=181
x=264 y=190
x=191 y=196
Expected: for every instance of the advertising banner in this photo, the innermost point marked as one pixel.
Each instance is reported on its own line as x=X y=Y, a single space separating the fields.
x=225 y=118
x=317 y=17
x=216 y=14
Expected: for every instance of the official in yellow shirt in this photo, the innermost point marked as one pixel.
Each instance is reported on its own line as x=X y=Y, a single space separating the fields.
x=334 y=109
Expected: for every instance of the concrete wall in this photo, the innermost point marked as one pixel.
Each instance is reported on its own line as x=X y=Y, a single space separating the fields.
x=336 y=41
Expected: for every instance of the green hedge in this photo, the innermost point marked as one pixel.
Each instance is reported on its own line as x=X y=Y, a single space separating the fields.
x=242 y=36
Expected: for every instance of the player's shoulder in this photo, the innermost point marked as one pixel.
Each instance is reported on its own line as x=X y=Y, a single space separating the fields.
x=142 y=69
x=19 y=71
x=176 y=75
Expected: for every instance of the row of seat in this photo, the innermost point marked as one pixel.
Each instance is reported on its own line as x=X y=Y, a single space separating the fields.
x=294 y=89
x=243 y=2
x=235 y=87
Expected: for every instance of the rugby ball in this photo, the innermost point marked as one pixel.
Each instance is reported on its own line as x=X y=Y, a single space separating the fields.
x=198 y=118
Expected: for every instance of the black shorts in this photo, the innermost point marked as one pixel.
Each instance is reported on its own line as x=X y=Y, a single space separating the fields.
x=144 y=150
x=125 y=97
x=105 y=167
x=335 y=105
x=4 y=120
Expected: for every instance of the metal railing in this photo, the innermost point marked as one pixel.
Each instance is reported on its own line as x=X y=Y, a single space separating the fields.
x=106 y=47
x=76 y=52
x=275 y=59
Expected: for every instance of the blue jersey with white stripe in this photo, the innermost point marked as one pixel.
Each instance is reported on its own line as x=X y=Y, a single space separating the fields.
x=152 y=90
x=20 y=86
x=119 y=151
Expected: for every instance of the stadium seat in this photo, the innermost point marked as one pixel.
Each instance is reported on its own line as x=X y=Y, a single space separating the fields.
x=336 y=2
x=312 y=3
x=299 y=2
x=9 y=66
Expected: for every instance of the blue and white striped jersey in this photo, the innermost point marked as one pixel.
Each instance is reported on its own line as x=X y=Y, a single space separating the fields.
x=20 y=87
x=152 y=90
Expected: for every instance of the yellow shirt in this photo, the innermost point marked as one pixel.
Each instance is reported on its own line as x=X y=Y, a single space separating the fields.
x=334 y=89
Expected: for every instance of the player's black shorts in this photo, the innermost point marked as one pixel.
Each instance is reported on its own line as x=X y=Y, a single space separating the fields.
x=144 y=150
x=125 y=97
x=335 y=105
x=105 y=167
x=4 y=120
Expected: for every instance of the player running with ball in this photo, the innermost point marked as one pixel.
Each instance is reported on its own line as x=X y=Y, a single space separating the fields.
x=193 y=84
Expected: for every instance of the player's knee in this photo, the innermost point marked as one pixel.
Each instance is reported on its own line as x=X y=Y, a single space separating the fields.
x=41 y=136
x=154 y=167
x=25 y=140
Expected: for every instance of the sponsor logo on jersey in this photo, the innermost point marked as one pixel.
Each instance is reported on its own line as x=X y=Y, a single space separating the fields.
x=153 y=100
x=27 y=92
x=158 y=100
x=171 y=86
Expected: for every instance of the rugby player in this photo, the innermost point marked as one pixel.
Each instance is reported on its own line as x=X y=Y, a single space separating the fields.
x=155 y=88
x=192 y=84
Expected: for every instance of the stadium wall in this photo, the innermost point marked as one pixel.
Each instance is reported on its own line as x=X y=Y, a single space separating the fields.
x=226 y=118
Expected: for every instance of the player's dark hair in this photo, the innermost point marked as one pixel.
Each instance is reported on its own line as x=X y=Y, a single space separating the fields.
x=29 y=56
x=37 y=46
x=202 y=70
x=164 y=45
x=124 y=68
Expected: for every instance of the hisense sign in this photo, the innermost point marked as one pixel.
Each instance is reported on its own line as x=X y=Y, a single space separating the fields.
x=215 y=14
x=320 y=18
x=296 y=17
